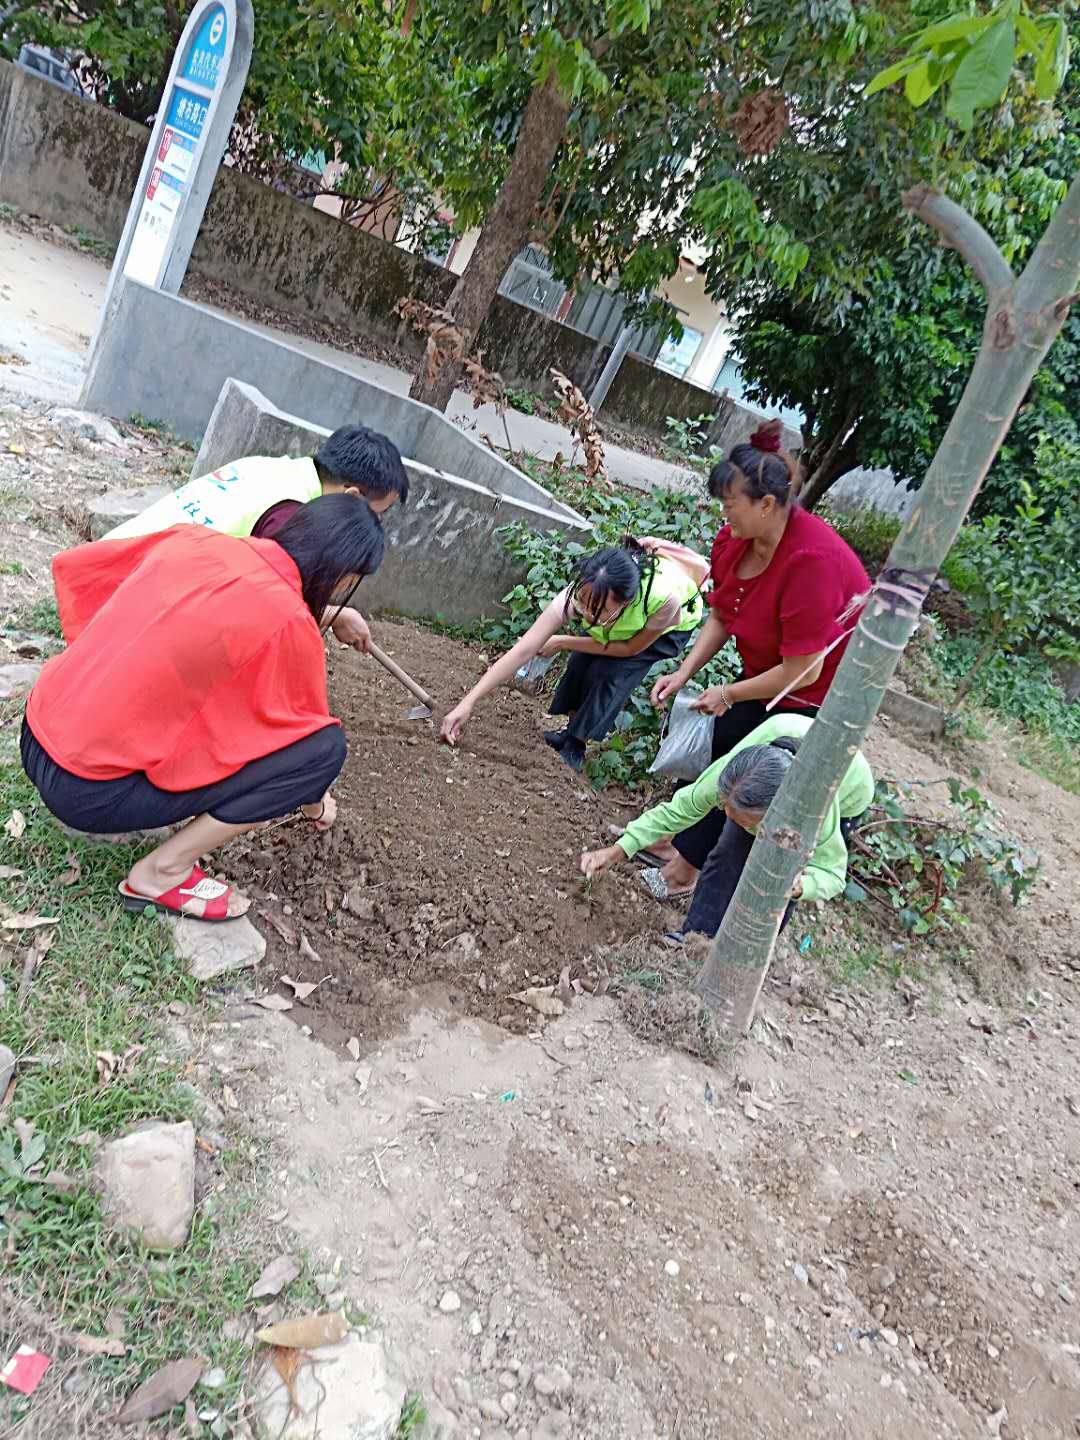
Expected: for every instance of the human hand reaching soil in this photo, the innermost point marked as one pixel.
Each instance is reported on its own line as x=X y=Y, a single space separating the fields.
x=454 y=723
x=595 y=862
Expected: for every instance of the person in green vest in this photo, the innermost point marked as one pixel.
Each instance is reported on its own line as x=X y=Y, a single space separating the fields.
x=638 y=604
x=256 y=495
x=742 y=784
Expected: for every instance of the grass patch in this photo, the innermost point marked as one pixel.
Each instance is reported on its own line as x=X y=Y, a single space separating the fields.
x=42 y=618
x=654 y=986
x=413 y=1418
x=91 y=243
x=102 y=985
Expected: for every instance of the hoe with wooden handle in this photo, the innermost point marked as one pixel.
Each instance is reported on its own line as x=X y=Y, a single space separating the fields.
x=418 y=712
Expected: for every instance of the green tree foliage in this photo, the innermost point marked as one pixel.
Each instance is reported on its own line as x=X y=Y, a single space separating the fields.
x=879 y=377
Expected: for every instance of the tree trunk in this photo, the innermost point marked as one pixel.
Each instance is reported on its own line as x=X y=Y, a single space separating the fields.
x=506 y=230
x=1023 y=318
x=839 y=456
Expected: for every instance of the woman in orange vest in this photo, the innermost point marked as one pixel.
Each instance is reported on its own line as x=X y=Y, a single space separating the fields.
x=194 y=685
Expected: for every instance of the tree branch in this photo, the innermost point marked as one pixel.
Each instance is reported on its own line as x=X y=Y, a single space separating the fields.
x=961 y=232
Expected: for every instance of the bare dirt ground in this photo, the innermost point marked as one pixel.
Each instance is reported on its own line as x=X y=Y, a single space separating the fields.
x=860 y=1223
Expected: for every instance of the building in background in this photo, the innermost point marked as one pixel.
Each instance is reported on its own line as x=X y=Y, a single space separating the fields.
x=702 y=355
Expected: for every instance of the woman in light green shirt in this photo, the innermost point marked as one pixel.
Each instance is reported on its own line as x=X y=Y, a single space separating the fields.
x=743 y=783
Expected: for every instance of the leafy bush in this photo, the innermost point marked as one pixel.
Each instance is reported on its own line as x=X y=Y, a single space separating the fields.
x=1021 y=687
x=518 y=398
x=914 y=865
x=869 y=532
x=1023 y=574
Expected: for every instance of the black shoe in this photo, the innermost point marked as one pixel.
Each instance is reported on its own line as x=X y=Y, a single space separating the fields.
x=573 y=754
x=555 y=738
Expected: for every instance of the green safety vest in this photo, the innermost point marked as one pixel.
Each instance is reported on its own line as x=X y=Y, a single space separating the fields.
x=668 y=579
x=231 y=499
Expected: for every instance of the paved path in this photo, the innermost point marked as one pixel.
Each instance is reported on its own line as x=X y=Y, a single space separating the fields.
x=50 y=297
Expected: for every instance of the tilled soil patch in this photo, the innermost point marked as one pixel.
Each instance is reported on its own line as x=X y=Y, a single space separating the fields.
x=449 y=867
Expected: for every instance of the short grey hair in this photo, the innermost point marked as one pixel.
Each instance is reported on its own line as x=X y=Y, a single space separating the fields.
x=751 y=778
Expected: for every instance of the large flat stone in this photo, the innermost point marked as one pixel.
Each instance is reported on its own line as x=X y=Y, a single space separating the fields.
x=116 y=506
x=17 y=680
x=148 y=1183
x=211 y=949
x=916 y=714
x=349 y=1391
x=87 y=426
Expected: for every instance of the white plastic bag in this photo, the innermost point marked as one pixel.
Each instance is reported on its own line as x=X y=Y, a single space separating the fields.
x=686 y=743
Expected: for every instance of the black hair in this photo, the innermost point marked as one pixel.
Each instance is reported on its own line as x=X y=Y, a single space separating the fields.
x=750 y=779
x=355 y=455
x=762 y=473
x=616 y=573
x=329 y=538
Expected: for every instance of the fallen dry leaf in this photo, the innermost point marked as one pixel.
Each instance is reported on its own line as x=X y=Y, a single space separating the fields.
x=541 y=998
x=229 y=1096
x=98 y=1345
x=287 y=1364
x=308 y=951
x=307 y=1333
x=302 y=988
x=16 y=825
x=168 y=1387
x=285 y=930
x=272 y=1002
x=72 y=873
x=110 y=1065
x=275 y=1277
x=13 y=920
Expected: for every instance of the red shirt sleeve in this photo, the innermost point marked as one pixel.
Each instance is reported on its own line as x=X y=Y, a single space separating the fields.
x=813 y=597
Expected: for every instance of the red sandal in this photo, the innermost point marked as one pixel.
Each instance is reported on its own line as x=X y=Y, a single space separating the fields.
x=198 y=886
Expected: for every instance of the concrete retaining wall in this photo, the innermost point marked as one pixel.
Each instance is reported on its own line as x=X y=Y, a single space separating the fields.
x=135 y=369
x=443 y=557
x=75 y=163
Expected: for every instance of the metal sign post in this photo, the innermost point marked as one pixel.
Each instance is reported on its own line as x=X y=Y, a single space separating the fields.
x=187 y=142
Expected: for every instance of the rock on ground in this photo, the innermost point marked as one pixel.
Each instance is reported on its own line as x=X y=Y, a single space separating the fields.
x=16 y=680
x=349 y=1391
x=116 y=506
x=213 y=950
x=7 y=1068
x=148 y=1183
x=87 y=425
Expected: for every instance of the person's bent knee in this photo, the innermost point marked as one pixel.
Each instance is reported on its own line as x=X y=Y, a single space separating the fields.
x=332 y=750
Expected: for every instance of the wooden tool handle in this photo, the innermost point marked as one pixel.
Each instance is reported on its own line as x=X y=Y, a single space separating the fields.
x=399 y=674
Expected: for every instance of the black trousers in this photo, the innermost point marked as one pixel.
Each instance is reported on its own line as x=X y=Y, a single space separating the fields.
x=720 y=874
x=734 y=725
x=594 y=688
x=264 y=789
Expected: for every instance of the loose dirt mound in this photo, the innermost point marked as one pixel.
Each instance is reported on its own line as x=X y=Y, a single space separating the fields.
x=457 y=867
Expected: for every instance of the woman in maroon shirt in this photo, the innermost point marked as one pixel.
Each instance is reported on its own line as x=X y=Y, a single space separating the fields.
x=783 y=583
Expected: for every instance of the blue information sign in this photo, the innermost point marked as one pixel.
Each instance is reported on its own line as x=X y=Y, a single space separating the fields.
x=207 y=53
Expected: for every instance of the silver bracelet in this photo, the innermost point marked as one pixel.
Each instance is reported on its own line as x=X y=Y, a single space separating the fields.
x=724 y=696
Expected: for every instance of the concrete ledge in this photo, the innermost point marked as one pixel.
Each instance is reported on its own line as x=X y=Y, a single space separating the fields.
x=915 y=714
x=135 y=367
x=443 y=556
